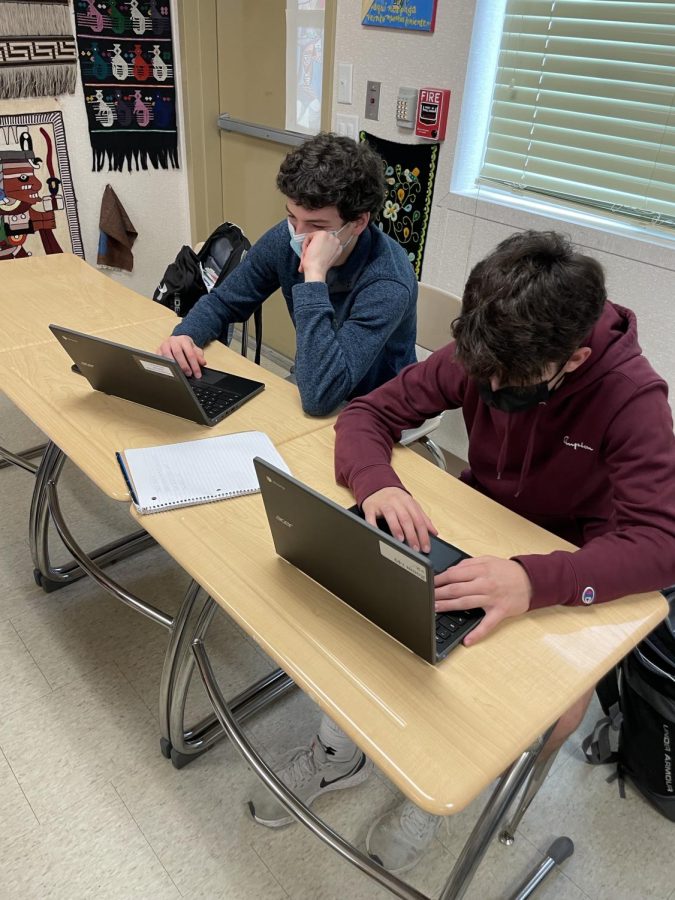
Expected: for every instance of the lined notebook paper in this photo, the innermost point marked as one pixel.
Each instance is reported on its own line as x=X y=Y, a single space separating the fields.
x=192 y=472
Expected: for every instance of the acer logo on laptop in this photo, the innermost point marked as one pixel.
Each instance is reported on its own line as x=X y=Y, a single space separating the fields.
x=284 y=521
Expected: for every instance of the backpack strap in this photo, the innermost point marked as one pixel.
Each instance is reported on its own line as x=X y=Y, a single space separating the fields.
x=602 y=744
x=257 y=321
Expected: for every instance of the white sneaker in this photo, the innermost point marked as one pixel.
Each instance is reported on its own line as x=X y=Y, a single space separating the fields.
x=399 y=838
x=308 y=772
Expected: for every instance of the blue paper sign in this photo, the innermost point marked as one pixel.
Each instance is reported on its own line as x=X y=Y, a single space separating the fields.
x=412 y=15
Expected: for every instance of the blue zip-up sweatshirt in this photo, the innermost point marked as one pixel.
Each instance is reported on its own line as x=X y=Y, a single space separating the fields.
x=353 y=333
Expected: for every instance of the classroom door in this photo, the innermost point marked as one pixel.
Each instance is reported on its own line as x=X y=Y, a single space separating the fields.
x=235 y=61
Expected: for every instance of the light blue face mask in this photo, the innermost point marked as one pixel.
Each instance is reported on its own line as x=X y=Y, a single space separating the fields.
x=297 y=240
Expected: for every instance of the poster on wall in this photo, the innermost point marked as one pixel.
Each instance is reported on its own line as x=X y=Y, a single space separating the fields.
x=38 y=209
x=127 y=65
x=412 y=15
x=304 y=64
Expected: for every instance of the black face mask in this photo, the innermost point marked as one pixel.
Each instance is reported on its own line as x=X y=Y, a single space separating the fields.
x=517 y=398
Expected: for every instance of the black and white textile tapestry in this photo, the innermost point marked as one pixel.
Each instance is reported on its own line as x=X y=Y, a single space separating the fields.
x=38 y=209
x=126 y=60
x=38 y=56
x=410 y=171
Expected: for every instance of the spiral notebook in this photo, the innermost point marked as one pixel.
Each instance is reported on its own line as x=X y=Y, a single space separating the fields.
x=192 y=472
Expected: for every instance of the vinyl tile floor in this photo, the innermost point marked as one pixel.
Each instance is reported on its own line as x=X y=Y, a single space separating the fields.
x=90 y=809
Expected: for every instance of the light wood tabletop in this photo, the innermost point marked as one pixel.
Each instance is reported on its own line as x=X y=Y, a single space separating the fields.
x=440 y=733
x=90 y=426
x=64 y=289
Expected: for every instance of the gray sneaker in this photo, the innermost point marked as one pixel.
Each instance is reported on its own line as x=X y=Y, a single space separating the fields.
x=399 y=838
x=308 y=772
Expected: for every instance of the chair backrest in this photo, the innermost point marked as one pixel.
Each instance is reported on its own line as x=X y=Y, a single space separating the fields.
x=435 y=311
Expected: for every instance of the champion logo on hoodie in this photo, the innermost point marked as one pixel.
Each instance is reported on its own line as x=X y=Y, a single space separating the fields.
x=575 y=445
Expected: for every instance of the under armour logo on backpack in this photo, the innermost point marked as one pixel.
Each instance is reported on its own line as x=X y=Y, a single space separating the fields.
x=161 y=290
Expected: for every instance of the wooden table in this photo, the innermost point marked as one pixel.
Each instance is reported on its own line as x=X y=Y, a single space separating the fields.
x=422 y=725
x=88 y=426
x=64 y=289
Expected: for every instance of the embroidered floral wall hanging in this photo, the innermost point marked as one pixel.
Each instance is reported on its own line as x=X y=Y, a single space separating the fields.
x=38 y=57
x=126 y=61
x=38 y=210
x=410 y=171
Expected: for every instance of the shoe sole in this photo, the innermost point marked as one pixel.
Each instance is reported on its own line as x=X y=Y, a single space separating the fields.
x=352 y=781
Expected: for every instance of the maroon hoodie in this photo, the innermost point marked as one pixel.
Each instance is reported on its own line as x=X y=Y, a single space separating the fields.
x=594 y=465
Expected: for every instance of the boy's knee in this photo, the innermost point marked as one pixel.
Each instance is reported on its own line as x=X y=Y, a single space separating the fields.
x=568 y=722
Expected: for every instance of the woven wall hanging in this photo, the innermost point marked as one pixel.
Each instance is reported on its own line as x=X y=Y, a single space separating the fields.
x=38 y=56
x=126 y=61
x=410 y=171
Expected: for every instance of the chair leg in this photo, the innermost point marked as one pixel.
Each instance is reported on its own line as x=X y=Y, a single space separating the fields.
x=435 y=452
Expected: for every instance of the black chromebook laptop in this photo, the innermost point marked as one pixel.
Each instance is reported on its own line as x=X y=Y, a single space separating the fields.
x=380 y=577
x=155 y=381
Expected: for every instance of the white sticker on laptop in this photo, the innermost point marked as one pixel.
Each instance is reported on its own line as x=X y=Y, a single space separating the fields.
x=156 y=368
x=415 y=568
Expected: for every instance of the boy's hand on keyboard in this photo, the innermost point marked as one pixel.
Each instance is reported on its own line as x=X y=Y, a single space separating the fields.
x=406 y=519
x=500 y=586
x=187 y=354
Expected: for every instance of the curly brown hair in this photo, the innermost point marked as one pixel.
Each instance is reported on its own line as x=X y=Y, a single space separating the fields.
x=332 y=170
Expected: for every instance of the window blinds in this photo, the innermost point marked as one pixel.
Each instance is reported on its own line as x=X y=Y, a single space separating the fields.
x=583 y=105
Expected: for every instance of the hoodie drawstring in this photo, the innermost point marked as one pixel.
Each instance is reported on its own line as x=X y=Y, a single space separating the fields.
x=529 y=451
x=503 y=450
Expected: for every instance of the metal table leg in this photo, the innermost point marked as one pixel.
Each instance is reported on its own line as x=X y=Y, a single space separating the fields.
x=48 y=576
x=20 y=459
x=182 y=744
x=458 y=882
x=537 y=777
x=89 y=567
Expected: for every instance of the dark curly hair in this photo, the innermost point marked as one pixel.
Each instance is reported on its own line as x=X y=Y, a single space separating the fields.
x=332 y=170
x=532 y=302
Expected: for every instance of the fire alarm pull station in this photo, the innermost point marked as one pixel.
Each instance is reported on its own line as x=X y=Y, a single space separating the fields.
x=432 y=113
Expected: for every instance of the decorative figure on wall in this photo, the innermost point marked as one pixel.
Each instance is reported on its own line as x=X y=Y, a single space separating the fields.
x=92 y=18
x=141 y=111
x=139 y=21
x=117 y=19
x=38 y=55
x=129 y=82
x=123 y=111
x=160 y=69
x=142 y=70
x=99 y=66
x=104 y=113
x=120 y=67
x=37 y=202
x=410 y=171
x=159 y=19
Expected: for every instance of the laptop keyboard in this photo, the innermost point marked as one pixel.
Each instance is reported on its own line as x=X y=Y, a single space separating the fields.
x=213 y=401
x=452 y=627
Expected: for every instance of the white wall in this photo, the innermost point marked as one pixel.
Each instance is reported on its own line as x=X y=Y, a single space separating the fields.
x=156 y=200
x=462 y=230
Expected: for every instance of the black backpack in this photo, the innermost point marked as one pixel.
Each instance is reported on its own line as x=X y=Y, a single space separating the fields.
x=638 y=730
x=192 y=274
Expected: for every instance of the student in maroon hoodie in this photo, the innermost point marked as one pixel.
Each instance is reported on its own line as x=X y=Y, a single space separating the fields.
x=568 y=425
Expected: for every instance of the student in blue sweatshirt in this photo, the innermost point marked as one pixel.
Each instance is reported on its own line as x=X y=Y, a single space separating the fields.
x=350 y=290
